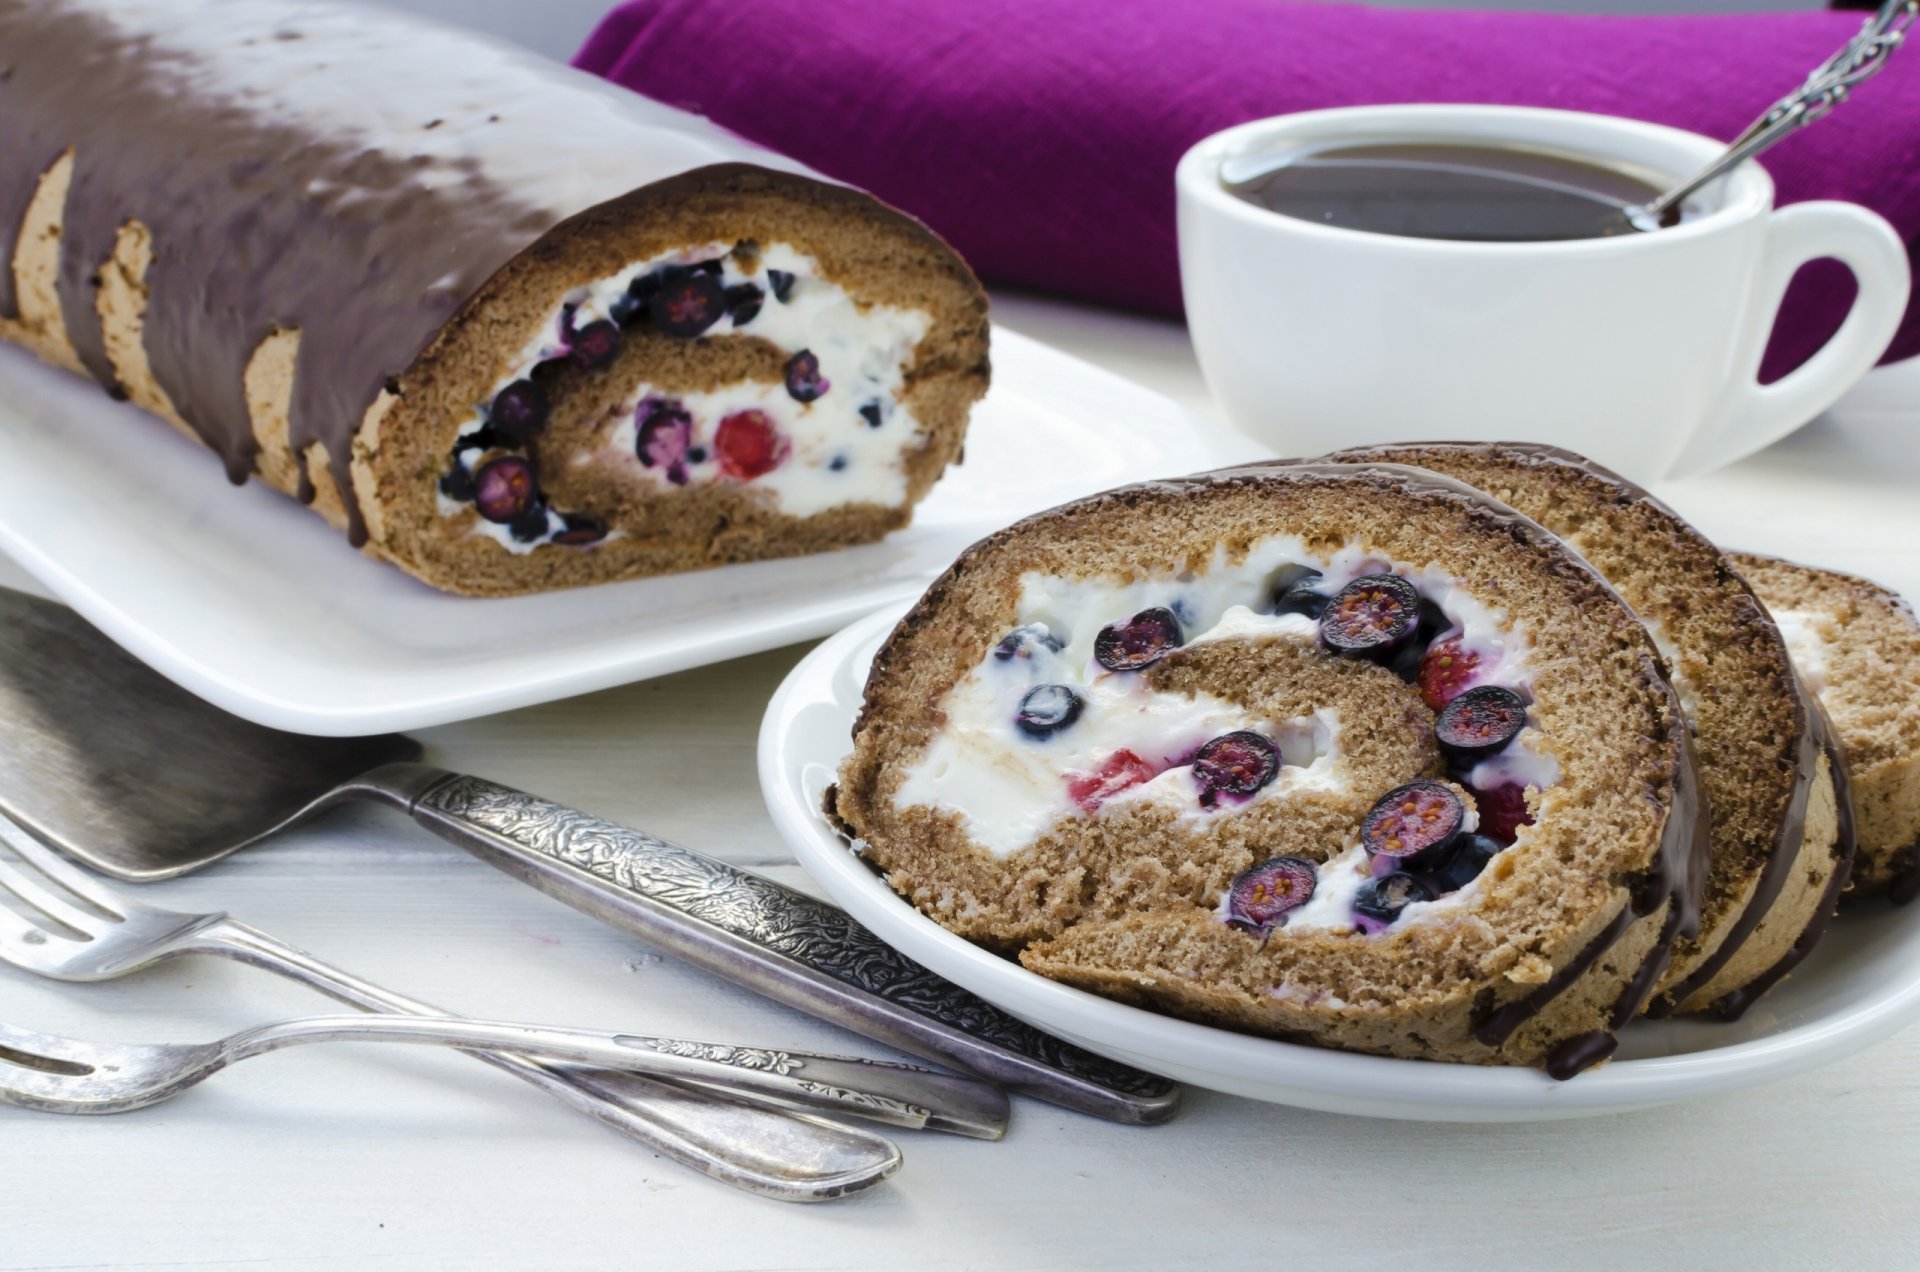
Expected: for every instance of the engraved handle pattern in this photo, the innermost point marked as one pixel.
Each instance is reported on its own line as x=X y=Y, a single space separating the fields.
x=720 y=1053
x=1831 y=82
x=879 y=1103
x=774 y=917
x=782 y=1063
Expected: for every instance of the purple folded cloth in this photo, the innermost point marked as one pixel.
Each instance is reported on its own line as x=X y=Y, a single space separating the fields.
x=1040 y=136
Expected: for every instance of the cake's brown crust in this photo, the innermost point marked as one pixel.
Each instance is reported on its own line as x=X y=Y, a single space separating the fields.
x=1551 y=957
x=1761 y=762
x=1873 y=696
x=299 y=167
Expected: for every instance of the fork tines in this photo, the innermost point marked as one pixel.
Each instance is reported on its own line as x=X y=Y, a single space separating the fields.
x=36 y=856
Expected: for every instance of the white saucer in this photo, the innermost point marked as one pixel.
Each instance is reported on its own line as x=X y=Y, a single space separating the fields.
x=256 y=605
x=1859 y=986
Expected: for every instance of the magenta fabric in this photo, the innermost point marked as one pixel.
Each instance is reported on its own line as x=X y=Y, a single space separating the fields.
x=1040 y=136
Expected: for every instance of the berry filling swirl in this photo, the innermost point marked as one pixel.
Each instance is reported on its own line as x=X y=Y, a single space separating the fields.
x=831 y=431
x=1063 y=720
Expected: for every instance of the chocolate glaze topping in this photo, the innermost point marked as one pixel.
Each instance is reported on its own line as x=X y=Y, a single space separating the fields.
x=1813 y=738
x=1500 y=1023
x=351 y=172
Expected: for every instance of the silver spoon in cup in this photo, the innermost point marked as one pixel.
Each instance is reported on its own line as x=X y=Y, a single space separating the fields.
x=1828 y=86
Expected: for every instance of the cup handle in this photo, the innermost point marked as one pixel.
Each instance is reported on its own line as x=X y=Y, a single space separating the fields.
x=1756 y=414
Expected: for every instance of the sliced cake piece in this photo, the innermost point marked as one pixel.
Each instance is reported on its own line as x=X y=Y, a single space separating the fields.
x=1772 y=778
x=1857 y=646
x=1345 y=755
x=509 y=327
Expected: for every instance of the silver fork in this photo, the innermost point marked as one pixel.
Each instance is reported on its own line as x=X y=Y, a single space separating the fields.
x=787 y=1157
x=68 y=1075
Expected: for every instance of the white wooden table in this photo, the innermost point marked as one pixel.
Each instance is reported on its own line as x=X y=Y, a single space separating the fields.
x=364 y=1158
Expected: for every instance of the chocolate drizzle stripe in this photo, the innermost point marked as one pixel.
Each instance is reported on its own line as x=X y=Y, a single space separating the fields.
x=1627 y=1005
x=1734 y=1003
x=1789 y=841
x=1677 y=879
x=1579 y=1053
x=352 y=173
x=1499 y=1026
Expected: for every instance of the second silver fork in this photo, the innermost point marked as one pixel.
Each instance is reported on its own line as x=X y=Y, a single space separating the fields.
x=788 y=1157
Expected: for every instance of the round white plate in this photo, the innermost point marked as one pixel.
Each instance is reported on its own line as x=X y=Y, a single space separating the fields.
x=250 y=601
x=1859 y=986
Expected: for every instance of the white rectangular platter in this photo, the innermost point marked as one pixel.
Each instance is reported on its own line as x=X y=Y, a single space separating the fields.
x=256 y=605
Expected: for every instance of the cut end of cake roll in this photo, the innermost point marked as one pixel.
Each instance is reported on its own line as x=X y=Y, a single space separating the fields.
x=1857 y=646
x=1340 y=755
x=509 y=327
x=1779 y=852
x=730 y=365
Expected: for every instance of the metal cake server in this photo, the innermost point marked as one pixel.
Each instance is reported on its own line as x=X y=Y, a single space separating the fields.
x=120 y=768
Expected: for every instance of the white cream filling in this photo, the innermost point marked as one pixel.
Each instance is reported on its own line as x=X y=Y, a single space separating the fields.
x=1525 y=762
x=829 y=461
x=1808 y=634
x=1007 y=789
x=835 y=455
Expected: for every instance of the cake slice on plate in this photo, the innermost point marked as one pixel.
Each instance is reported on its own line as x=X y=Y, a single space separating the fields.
x=1350 y=755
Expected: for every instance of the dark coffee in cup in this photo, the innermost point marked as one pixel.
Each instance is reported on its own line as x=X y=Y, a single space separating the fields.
x=1468 y=192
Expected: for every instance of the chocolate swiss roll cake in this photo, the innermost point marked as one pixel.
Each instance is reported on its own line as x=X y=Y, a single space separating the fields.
x=1772 y=774
x=508 y=327
x=1346 y=755
x=1857 y=646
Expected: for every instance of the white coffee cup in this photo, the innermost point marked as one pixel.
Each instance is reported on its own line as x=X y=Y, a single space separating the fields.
x=1641 y=351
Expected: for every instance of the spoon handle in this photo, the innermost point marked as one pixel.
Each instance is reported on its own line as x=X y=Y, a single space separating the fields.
x=772 y=939
x=754 y=1148
x=1859 y=61
x=896 y=1094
